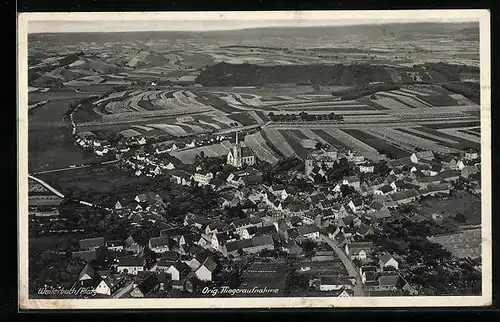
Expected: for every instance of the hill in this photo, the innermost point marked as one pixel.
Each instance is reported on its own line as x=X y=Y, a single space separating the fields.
x=224 y=74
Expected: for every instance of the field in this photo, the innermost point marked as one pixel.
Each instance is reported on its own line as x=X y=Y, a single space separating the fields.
x=462 y=245
x=381 y=146
x=458 y=142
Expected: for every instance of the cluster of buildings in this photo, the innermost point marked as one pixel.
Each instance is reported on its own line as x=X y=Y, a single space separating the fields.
x=275 y=218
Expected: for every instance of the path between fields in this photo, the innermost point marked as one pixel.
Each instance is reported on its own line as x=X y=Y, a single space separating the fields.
x=351 y=269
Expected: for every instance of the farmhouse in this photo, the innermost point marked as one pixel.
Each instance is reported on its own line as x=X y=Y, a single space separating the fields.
x=450 y=175
x=130 y=265
x=405 y=197
x=333 y=283
x=386 y=260
x=239 y=155
x=471 y=155
x=308 y=231
x=115 y=245
x=422 y=156
x=109 y=285
x=469 y=170
x=252 y=245
x=148 y=283
x=434 y=189
x=206 y=269
x=384 y=190
x=178 y=271
x=352 y=181
x=159 y=244
x=359 y=250
x=91 y=243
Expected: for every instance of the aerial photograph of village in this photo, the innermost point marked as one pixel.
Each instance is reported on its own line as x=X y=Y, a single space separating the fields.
x=280 y=161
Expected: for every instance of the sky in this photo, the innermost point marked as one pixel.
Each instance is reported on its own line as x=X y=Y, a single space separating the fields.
x=199 y=21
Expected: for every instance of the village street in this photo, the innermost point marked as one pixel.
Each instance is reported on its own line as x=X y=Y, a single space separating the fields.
x=351 y=269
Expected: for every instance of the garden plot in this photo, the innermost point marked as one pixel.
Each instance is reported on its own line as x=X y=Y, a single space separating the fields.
x=355 y=144
x=411 y=141
x=259 y=146
x=462 y=245
x=277 y=140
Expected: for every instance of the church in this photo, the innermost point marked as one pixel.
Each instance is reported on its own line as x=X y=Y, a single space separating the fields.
x=239 y=155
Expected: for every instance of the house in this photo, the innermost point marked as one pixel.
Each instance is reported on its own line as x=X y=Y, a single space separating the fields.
x=180 y=177
x=366 y=168
x=332 y=231
x=450 y=175
x=279 y=191
x=383 y=190
x=240 y=155
x=148 y=284
x=368 y=274
x=468 y=170
x=203 y=178
x=352 y=181
x=308 y=232
x=109 y=285
x=115 y=245
x=251 y=245
x=88 y=276
x=91 y=243
x=333 y=283
x=422 y=156
x=405 y=197
x=130 y=245
x=423 y=182
x=356 y=205
x=386 y=260
x=86 y=255
x=435 y=189
x=471 y=155
x=178 y=271
x=359 y=250
x=130 y=265
x=434 y=170
x=388 y=280
x=159 y=244
x=206 y=269
x=397 y=173
x=364 y=230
